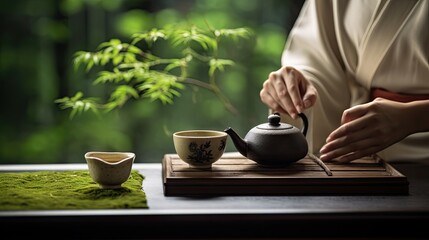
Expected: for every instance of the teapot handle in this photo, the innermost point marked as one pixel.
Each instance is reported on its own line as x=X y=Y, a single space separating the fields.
x=305 y=121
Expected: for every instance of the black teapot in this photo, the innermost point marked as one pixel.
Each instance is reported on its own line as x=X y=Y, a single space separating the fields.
x=273 y=143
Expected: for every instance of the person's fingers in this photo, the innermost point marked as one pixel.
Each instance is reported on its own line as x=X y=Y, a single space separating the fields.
x=294 y=84
x=354 y=113
x=354 y=142
x=271 y=102
x=310 y=96
x=351 y=138
x=278 y=90
x=350 y=151
x=286 y=90
x=358 y=154
x=348 y=125
x=269 y=96
x=346 y=139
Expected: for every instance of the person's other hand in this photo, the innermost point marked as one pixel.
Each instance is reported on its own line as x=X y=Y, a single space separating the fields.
x=367 y=129
x=288 y=91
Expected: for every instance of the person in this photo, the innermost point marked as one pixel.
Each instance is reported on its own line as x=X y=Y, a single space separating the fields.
x=359 y=71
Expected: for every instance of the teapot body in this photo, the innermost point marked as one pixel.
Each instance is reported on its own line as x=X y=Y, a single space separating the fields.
x=277 y=148
x=273 y=143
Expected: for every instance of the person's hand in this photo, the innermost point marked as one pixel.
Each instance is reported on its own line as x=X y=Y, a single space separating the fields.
x=288 y=91
x=367 y=129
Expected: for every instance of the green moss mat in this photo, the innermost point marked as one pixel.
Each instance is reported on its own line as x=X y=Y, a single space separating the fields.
x=53 y=190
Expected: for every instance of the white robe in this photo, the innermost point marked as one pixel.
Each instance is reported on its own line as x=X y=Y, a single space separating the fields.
x=347 y=47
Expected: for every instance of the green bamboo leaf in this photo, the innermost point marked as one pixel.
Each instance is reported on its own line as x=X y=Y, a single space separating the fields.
x=175 y=64
x=106 y=76
x=134 y=49
x=105 y=58
x=123 y=91
x=129 y=57
x=234 y=34
x=175 y=93
x=78 y=104
x=103 y=45
x=77 y=96
x=219 y=64
x=128 y=75
x=149 y=37
x=115 y=42
x=165 y=99
x=117 y=59
x=108 y=50
x=79 y=59
x=89 y=64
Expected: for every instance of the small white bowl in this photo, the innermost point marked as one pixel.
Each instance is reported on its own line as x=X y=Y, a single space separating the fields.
x=110 y=169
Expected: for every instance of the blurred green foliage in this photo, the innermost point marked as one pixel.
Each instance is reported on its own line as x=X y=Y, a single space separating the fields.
x=38 y=42
x=136 y=72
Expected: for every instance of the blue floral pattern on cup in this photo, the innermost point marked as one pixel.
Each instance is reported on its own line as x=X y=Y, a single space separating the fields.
x=200 y=154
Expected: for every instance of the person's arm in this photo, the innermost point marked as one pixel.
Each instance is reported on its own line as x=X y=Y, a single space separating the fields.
x=310 y=56
x=418 y=112
x=313 y=77
x=372 y=127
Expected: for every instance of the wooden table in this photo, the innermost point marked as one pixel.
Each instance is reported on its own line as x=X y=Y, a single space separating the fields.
x=298 y=217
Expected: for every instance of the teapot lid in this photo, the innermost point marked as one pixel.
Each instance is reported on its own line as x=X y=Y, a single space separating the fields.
x=274 y=123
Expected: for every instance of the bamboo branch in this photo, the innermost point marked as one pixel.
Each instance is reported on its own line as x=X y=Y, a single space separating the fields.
x=213 y=88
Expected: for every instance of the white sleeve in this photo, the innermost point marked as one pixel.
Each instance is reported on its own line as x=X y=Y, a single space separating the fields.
x=312 y=49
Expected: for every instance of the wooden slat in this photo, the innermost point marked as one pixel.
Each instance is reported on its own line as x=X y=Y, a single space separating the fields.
x=234 y=174
x=245 y=168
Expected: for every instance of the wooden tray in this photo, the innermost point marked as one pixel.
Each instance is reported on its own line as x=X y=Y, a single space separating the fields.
x=234 y=174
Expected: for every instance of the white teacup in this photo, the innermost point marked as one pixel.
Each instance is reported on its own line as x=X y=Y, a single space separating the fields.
x=110 y=169
x=200 y=148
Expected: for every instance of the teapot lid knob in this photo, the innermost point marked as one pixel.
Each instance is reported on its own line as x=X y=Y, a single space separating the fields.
x=274 y=119
x=274 y=123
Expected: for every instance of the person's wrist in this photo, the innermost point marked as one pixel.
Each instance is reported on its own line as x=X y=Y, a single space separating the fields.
x=418 y=114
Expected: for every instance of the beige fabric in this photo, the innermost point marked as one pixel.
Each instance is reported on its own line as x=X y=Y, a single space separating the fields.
x=340 y=47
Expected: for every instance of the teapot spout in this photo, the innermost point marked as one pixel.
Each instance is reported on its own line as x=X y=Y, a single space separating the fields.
x=240 y=144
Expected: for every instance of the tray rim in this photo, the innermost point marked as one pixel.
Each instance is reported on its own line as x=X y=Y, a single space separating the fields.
x=395 y=184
